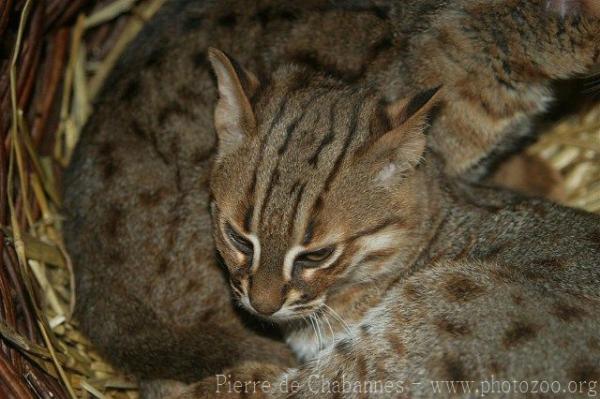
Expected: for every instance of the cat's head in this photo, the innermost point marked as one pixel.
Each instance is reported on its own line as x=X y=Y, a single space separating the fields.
x=316 y=185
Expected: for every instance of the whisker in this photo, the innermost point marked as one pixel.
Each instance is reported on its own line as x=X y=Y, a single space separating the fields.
x=318 y=331
x=318 y=322
x=308 y=320
x=304 y=319
x=338 y=318
x=313 y=327
x=330 y=328
x=319 y=341
x=305 y=305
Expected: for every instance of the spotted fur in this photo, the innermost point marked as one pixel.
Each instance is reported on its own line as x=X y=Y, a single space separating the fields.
x=137 y=190
x=477 y=283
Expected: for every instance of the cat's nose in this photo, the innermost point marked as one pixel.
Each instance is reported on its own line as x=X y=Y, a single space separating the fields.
x=266 y=308
x=266 y=293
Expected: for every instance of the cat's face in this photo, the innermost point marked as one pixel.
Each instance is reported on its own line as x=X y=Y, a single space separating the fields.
x=313 y=186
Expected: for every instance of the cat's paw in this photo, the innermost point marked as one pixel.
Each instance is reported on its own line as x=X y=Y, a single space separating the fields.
x=574 y=7
x=161 y=389
x=254 y=380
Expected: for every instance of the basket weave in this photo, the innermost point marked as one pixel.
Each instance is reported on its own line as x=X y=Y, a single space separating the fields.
x=55 y=56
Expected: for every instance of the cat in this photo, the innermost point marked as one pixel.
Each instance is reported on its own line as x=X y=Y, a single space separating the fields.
x=136 y=191
x=425 y=277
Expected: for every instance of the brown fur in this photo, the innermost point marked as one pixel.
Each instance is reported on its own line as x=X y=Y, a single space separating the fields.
x=530 y=175
x=483 y=283
x=137 y=189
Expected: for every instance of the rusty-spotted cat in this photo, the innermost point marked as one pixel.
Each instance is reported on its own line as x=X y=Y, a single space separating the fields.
x=407 y=275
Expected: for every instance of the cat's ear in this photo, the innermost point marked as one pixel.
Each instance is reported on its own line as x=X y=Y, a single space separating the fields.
x=401 y=146
x=234 y=117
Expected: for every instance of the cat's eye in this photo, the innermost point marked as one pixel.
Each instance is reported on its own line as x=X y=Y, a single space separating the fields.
x=314 y=258
x=238 y=241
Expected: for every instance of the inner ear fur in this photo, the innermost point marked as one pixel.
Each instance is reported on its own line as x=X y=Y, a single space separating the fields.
x=234 y=117
x=404 y=140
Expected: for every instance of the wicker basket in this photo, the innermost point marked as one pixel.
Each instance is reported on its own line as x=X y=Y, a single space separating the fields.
x=56 y=55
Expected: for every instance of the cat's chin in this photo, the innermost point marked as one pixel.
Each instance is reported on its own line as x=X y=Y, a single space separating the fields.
x=282 y=315
x=286 y=318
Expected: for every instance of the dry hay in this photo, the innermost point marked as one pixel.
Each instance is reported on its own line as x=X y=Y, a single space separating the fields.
x=572 y=147
x=42 y=262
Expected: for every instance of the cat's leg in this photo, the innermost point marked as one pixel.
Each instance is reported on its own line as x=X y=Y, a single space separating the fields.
x=530 y=175
x=247 y=380
x=496 y=61
x=464 y=323
x=343 y=370
x=158 y=389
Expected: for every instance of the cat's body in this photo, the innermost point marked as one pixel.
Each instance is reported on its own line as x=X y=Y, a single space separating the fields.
x=506 y=291
x=408 y=276
x=136 y=191
x=507 y=288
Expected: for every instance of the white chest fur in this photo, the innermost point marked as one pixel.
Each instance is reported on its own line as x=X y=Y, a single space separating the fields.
x=304 y=343
x=308 y=342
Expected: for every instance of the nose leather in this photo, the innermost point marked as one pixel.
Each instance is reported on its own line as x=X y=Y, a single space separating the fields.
x=266 y=293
